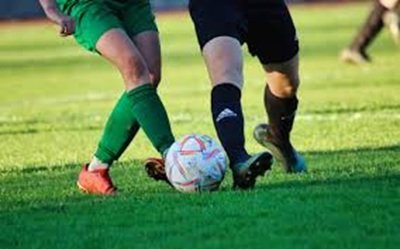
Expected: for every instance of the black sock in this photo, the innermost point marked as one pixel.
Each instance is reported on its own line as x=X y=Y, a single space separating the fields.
x=281 y=113
x=228 y=121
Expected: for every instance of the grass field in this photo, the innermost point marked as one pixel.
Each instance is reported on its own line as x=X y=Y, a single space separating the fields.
x=55 y=97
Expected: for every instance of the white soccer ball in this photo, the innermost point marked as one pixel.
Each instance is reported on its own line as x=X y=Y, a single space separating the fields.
x=196 y=163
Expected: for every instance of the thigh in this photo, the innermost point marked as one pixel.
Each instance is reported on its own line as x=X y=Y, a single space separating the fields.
x=148 y=44
x=92 y=20
x=137 y=17
x=215 y=18
x=117 y=47
x=224 y=61
x=390 y=4
x=271 y=31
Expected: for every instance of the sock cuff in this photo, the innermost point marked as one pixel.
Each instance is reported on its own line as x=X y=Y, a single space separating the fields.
x=105 y=155
x=287 y=105
x=226 y=92
x=144 y=89
x=271 y=95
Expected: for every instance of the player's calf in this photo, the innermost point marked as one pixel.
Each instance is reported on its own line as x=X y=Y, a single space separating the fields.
x=276 y=135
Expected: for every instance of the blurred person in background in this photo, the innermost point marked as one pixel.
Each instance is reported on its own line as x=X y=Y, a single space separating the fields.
x=384 y=12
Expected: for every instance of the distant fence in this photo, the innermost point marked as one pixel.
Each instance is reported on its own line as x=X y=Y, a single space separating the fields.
x=18 y=9
x=14 y=9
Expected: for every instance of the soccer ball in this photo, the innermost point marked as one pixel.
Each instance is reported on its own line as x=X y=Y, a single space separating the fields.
x=196 y=163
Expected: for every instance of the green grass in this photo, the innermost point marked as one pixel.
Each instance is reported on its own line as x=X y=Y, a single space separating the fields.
x=55 y=97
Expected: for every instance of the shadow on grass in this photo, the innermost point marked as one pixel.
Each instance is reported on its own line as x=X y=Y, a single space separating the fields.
x=63 y=167
x=48 y=186
x=352 y=110
x=50 y=129
x=390 y=148
x=368 y=181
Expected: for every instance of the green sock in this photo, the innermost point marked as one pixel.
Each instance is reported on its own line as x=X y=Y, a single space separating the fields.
x=139 y=106
x=149 y=111
x=121 y=128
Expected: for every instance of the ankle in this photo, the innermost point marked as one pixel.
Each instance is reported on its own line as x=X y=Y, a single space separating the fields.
x=96 y=164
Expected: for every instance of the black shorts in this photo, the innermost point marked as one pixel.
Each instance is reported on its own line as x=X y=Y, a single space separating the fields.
x=265 y=25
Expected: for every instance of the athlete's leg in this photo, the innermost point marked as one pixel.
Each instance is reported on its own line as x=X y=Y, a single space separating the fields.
x=280 y=98
x=224 y=61
x=218 y=31
x=391 y=18
x=148 y=44
x=356 y=52
x=116 y=46
x=278 y=55
x=140 y=103
x=283 y=78
x=390 y=4
x=139 y=23
x=220 y=28
x=280 y=101
x=132 y=67
x=99 y=29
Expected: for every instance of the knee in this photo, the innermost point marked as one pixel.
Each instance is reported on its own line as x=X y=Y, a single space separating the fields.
x=228 y=74
x=284 y=85
x=283 y=78
x=155 y=78
x=134 y=71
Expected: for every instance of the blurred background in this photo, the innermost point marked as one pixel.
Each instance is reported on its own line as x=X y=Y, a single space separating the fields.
x=22 y=9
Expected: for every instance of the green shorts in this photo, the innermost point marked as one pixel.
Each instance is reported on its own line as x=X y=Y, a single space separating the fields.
x=95 y=17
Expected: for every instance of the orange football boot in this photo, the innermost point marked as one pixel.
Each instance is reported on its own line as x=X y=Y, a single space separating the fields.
x=95 y=182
